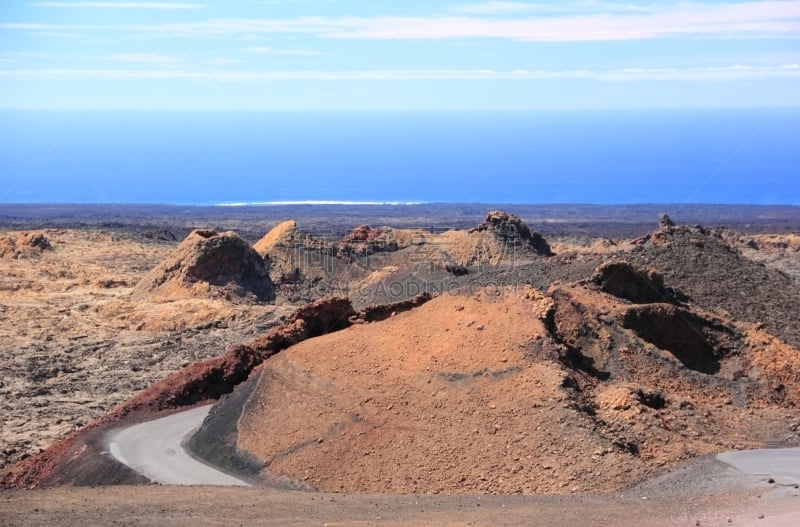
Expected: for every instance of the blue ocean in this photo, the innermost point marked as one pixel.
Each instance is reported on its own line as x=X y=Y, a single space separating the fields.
x=603 y=157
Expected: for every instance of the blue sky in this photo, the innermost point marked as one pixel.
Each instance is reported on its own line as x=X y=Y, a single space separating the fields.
x=410 y=55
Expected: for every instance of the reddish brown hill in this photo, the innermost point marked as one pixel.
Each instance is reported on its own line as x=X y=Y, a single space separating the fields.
x=511 y=391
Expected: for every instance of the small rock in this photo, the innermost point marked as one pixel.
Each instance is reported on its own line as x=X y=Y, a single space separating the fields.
x=665 y=221
x=479 y=327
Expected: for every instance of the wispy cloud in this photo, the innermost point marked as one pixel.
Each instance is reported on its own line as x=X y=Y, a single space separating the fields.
x=35 y=26
x=272 y=51
x=151 y=59
x=223 y=61
x=494 y=8
x=20 y=57
x=702 y=20
x=119 y=5
x=721 y=74
x=732 y=20
x=583 y=7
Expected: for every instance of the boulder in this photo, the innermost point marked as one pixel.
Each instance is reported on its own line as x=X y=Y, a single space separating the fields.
x=664 y=221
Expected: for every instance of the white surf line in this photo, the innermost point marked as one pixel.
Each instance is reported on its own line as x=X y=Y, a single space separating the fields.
x=155 y=450
x=780 y=463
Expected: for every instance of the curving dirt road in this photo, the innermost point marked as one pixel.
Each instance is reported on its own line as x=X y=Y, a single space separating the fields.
x=155 y=450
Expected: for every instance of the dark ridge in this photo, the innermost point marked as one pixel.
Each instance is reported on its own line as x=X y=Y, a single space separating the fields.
x=382 y=312
x=717 y=278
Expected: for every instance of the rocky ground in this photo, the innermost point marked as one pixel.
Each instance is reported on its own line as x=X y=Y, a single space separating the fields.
x=93 y=316
x=75 y=341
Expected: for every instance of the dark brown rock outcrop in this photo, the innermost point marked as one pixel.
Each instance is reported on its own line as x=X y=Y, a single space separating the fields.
x=512 y=231
x=364 y=240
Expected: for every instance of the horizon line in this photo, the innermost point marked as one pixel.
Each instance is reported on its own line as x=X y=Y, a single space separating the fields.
x=386 y=203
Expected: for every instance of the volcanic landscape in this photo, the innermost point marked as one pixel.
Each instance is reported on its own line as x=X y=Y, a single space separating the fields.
x=506 y=359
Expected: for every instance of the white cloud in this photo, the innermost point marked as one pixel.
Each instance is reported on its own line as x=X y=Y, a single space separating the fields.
x=272 y=51
x=721 y=74
x=119 y=5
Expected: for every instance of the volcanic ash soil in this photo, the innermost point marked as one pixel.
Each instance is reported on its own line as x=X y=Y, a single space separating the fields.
x=509 y=391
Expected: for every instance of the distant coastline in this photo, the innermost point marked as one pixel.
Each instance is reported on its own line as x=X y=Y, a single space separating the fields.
x=316 y=202
x=252 y=221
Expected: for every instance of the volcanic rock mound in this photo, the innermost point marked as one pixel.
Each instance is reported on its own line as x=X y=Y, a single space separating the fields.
x=24 y=245
x=513 y=231
x=281 y=248
x=210 y=264
x=283 y=235
x=702 y=264
x=304 y=267
x=502 y=238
